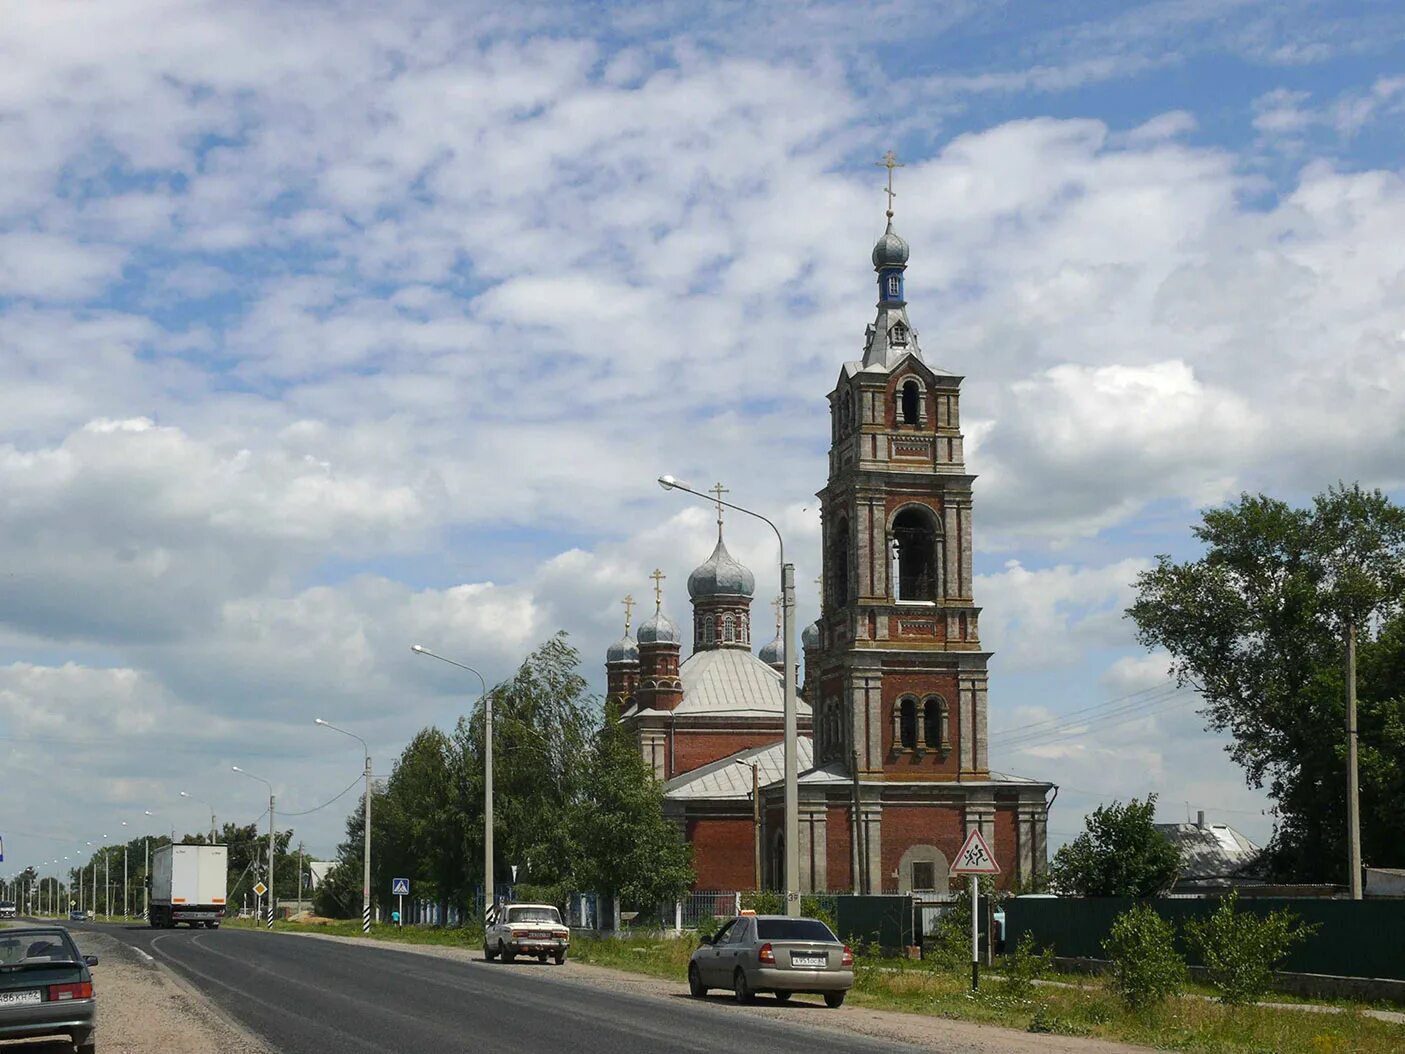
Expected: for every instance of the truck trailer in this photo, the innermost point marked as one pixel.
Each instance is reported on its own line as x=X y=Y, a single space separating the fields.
x=188 y=885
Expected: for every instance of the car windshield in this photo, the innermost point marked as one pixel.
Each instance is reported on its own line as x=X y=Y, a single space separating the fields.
x=36 y=946
x=794 y=930
x=533 y=915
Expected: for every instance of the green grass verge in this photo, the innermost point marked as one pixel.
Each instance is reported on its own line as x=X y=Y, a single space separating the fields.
x=1087 y=1008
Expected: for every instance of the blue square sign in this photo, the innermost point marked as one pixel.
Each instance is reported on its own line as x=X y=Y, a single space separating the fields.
x=399 y=887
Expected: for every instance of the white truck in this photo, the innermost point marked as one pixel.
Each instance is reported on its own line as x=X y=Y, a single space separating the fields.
x=188 y=885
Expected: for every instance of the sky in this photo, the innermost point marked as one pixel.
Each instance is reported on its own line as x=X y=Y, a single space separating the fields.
x=331 y=327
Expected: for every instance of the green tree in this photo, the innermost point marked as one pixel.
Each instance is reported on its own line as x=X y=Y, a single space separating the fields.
x=1240 y=949
x=1146 y=968
x=1119 y=854
x=629 y=847
x=1256 y=625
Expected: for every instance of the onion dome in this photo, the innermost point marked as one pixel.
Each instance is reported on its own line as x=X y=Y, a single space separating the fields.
x=658 y=628
x=891 y=250
x=773 y=654
x=811 y=637
x=626 y=649
x=720 y=575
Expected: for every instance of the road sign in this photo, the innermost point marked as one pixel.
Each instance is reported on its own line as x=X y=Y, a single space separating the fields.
x=399 y=887
x=975 y=857
x=260 y=889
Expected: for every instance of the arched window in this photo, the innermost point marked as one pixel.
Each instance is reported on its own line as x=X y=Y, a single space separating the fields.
x=917 y=544
x=907 y=723
x=707 y=633
x=911 y=403
x=934 y=731
x=839 y=564
x=895 y=287
x=729 y=631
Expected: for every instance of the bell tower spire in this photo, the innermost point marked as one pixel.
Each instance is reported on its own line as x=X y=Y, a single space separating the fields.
x=891 y=336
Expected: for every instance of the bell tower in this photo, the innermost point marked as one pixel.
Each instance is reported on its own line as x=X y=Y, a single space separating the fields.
x=901 y=672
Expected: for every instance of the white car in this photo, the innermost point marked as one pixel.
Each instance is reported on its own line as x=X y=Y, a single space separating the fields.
x=526 y=929
x=7 y=909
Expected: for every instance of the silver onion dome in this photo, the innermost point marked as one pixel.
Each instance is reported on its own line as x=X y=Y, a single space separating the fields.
x=721 y=575
x=658 y=628
x=626 y=649
x=810 y=638
x=773 y=654
x=891 y=250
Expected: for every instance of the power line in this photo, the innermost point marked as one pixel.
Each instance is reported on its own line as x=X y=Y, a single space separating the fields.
x=1075 y=732
x=1061 y=718
x=307 y=812
x=1131 y=710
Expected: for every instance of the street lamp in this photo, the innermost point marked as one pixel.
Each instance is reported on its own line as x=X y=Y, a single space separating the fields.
x=489 y=898
x=202 y=801
x=265 y=782
x=792 y=790
x=126 y=887
x=366 y=838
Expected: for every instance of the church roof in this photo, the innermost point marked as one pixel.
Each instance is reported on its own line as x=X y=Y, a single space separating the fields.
x=721 y=575
x=732 y=681
x=726 y=778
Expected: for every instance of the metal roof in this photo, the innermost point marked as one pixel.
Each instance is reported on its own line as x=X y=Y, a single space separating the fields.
x=730 y=777
x=732 y=681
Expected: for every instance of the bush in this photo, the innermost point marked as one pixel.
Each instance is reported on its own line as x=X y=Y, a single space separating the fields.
x=708 y=926
x=1241 y=949
x=1146 y=968
x=1022 y=967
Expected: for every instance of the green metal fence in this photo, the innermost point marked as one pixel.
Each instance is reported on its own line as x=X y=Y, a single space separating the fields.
x=885 y=921
x=1361 y=938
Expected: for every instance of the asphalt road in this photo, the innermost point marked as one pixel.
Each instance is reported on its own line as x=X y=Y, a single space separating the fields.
x=307 y=996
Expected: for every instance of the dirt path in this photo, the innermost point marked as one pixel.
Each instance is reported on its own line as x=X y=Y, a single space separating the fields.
x=146 y=1009
x=934 y=1033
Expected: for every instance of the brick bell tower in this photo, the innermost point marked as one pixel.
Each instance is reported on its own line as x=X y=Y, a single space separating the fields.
x=901 y=673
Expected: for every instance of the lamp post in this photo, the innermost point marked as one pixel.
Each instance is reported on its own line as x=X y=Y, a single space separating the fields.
x=755 y=817
x=93 y=885
x=265 y=782
x=489 y=889
x=106 y=879
x=202 y=801
x=146 y=895
x=791 y=783
x=126 y=887
x=366 y=836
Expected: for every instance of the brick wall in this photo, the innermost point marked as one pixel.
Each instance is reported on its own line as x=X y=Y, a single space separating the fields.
x=932 y=764
x=693 y=748
x=838 y=838
x=1006 y=845
x=722 y=853
x=919 y=824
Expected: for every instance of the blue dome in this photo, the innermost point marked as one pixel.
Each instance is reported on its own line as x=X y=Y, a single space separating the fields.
x=659 y=629
x=811 y=637
x=623 y=650
x=721 y=575
x=891 y=250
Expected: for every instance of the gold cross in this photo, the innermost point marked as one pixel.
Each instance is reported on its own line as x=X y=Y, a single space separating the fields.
x=777 y=603
x=890 y=161
x=628 y=603
x=658 y=576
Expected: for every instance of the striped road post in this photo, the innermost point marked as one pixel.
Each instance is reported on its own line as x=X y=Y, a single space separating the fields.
x=366 y=919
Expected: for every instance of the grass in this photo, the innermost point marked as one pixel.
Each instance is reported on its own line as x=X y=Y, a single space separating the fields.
x=1086 y=1007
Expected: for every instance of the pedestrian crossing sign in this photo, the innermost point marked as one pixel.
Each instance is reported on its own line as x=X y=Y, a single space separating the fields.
x=975 y=857
x=399 y=887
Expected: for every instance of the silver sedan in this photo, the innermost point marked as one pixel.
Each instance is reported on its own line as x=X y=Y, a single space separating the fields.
x=773 y=953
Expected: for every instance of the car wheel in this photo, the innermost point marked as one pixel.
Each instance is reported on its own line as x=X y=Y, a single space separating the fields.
x=507 y=956
x=542 y=958
x=696 y=988
x=488 y=954
x=783 y=997
x=740 y=988
x=560 y=957
x=834 y=1000
x=90 y=1047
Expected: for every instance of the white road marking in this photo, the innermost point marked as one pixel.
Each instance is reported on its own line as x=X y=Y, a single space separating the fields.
x=150 y=961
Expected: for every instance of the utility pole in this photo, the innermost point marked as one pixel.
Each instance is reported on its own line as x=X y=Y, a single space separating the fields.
x=1353 y=793
x=270 y=858
x=299 y=876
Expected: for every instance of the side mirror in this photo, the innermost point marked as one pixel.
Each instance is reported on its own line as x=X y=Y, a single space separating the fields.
x=90 y=960
x=704 y=940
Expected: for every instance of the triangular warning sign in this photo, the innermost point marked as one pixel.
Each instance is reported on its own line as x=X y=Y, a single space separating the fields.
x=975 y=857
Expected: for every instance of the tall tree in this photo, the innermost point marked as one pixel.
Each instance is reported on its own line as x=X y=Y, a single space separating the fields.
x=1119 y=854
x=630 y=849
x=1256 y=626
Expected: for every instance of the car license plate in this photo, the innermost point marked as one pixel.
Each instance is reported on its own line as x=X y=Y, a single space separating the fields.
x=810 y=961
x=26 y=998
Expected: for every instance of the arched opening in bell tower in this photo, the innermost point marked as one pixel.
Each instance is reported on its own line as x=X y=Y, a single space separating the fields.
x=916 y=555
x=839 y=564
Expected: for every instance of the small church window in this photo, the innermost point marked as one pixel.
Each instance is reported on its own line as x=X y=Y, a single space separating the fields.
x=934 y=723
x=895 y=287
x=708 y=635
x=729 y=631
x=897 y=336
x=846 y=412
x=907 y=723
x=924 y=875
x=911 y=403
x=839 y=564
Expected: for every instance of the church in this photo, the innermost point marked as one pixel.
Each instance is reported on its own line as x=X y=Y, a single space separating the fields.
x=892 y=718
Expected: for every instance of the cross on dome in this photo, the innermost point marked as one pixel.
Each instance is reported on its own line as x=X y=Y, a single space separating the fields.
x=778 y=603
x=628 y=603
x=890 y=161
x=658 y=576
x=717 y=490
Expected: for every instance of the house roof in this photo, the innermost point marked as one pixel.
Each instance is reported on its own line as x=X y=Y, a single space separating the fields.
x=1215 y=850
